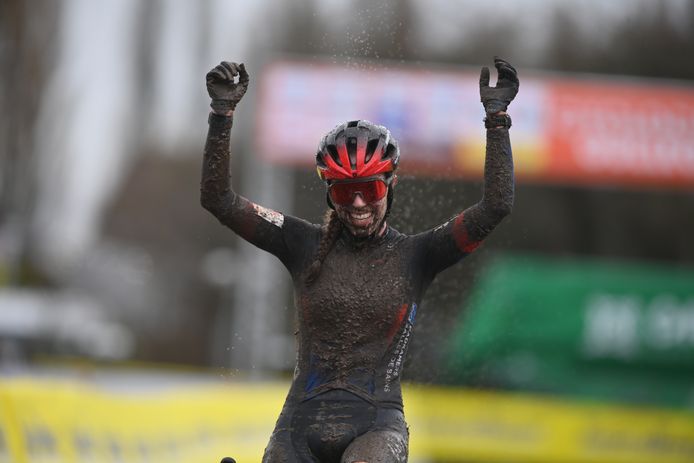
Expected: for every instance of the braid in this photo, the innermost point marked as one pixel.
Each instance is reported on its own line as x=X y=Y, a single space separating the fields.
x=331 y=230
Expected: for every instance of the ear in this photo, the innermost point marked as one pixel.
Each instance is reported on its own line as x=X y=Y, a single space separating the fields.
x=394 y=181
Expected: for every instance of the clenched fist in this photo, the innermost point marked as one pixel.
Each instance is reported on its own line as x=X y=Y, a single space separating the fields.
x=226 y=93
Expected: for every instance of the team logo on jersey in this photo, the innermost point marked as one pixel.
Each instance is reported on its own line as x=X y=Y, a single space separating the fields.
x=395 y=364
x=269 y=215
x=413 y=312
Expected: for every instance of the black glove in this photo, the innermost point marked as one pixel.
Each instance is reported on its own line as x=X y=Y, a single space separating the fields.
x=226 y=93
x=498 y=98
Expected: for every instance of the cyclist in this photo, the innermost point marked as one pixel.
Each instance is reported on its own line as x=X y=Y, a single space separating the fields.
x=358 y=282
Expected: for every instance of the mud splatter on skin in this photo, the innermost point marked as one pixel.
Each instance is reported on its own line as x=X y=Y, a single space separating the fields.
x=352 y=334
x=378 y=446
x=377 y=210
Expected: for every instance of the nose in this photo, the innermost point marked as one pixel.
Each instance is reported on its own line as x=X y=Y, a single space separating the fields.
x=358 y=201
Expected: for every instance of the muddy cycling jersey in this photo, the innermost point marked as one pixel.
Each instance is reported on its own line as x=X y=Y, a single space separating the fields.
x=355 y=321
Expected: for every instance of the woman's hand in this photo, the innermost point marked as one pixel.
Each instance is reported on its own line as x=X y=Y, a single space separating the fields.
x=496 y=99
x=226 y=93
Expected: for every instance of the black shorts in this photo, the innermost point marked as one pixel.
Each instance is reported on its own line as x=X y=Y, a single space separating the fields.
x=338 y=426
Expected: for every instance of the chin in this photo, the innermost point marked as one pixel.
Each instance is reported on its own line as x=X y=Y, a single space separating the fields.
x=362 y=232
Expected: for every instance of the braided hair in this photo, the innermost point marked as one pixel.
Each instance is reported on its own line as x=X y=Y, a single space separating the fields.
x=330 y=231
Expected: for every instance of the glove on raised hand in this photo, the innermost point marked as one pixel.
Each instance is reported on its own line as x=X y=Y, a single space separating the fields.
x=226 y=93
x=496 y=99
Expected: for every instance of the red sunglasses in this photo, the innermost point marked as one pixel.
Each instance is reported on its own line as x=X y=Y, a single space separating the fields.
x=370 y=191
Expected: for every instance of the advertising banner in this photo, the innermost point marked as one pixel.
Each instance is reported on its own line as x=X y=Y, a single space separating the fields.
x=69 y=422
x=603 y=330
x=568 y=130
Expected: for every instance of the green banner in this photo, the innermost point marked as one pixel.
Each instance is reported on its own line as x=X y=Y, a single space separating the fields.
x=613 y=331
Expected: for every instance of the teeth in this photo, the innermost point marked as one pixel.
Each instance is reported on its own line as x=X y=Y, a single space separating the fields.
x=363 y=215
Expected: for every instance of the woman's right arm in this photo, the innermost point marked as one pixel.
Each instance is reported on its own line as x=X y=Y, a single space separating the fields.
x=262 y=227
x=216 y=192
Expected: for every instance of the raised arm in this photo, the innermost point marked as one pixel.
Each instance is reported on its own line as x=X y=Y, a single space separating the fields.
x=469 y=228
x=265 y=228
x=497 y=198
x=216 y=194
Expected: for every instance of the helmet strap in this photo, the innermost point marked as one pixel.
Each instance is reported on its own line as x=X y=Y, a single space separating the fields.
x=390 y=201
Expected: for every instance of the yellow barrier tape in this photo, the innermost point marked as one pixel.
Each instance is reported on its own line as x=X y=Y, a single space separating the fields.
x=48 y=421
x=450 y=423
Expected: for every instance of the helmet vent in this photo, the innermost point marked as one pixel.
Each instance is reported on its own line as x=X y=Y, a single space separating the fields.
x=352 y=151
x=352 y=123
x=370 y=149
x=319 y=160
x=390 y=151
x=333 y=154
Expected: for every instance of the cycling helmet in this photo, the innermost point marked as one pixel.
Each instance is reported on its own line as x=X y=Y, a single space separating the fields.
x=357 y=149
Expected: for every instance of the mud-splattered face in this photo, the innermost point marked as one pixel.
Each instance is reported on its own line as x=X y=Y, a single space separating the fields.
x=362 y=219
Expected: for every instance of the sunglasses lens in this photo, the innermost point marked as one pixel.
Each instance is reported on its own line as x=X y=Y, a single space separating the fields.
x=344 y=193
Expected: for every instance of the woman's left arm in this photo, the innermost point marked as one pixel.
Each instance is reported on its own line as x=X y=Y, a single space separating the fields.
x=469 y=228
x=473 y=225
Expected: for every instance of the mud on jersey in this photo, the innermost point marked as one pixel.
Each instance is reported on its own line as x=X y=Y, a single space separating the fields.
x=355 y=321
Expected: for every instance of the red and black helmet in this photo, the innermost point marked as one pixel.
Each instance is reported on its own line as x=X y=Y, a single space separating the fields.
x=357 y=149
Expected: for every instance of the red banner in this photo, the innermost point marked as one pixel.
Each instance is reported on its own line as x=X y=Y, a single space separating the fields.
x=625 y=133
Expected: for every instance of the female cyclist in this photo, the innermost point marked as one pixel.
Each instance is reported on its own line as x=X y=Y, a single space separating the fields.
x=357 y=281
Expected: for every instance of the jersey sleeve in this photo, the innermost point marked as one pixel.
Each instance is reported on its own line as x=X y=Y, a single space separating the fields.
x=288 y=238
x=461 y=235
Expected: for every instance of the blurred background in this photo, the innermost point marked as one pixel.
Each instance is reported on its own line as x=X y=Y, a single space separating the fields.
x=114 y=280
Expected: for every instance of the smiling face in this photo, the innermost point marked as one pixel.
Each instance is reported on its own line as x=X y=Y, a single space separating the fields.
x=362 y=219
